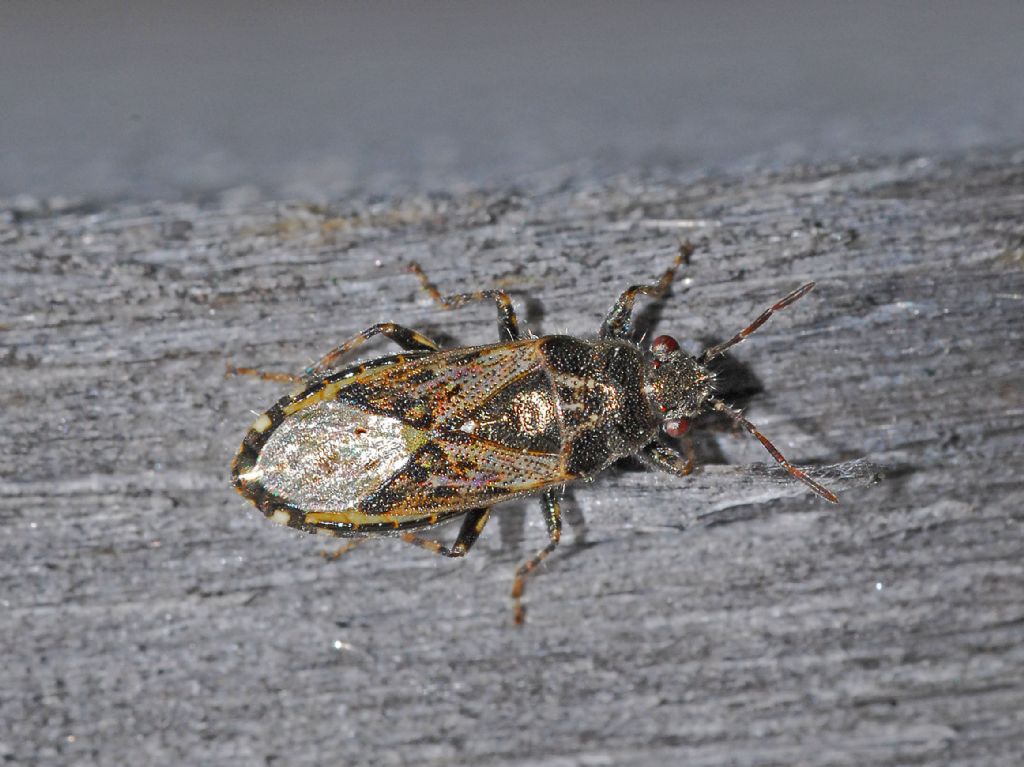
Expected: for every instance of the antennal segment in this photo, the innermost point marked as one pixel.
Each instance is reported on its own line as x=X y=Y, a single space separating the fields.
x=739 y=419
x=714 y=351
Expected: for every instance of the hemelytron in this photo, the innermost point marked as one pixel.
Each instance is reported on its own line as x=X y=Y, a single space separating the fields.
x=406 y=441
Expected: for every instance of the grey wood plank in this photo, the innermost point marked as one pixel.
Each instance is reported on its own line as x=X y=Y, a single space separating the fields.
x=151 y=617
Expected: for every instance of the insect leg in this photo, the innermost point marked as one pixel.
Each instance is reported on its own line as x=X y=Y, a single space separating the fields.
x=468 y=533
x=664 y=458
x=508 y=325
x=231 y=370
x=403 y=336
x=338 y=553
x=553 y=518
x=617 y=323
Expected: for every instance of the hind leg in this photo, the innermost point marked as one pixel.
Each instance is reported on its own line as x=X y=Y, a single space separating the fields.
x=471 y=528
x=231 y=370
x=405 y=337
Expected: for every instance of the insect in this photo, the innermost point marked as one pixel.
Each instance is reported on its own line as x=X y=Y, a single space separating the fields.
x=404 y=442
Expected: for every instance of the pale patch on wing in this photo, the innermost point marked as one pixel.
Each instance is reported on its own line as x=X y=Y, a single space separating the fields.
x=330 y=455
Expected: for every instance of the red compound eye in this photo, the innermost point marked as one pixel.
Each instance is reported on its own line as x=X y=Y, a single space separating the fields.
x=676 y=427
x=664 y=345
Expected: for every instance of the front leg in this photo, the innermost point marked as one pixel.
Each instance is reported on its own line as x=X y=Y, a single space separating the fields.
x=668 y=459
x=617 y=323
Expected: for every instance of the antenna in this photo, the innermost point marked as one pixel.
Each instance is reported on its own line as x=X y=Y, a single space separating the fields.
x=739 y=419
x=715 y=351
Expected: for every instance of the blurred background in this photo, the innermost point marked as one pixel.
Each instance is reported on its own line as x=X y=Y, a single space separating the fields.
x=313 y=99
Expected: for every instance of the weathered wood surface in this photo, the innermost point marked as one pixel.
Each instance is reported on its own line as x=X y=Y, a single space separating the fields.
x=151 y=617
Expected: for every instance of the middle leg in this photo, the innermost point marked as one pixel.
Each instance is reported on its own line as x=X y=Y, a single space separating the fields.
x=553 y=519
x=508 y=325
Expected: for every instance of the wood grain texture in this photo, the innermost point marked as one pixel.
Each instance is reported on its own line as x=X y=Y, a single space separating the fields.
x=151 y=617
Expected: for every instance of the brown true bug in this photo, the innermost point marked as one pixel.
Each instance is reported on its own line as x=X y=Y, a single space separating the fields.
x=404 y=442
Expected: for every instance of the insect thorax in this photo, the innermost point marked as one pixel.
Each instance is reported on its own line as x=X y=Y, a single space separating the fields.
x=599 y=385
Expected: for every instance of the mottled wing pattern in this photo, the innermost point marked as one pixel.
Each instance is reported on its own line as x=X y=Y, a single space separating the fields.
x=489 y=431
x=440 y=390
x=459 y=472
x=406 y=441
